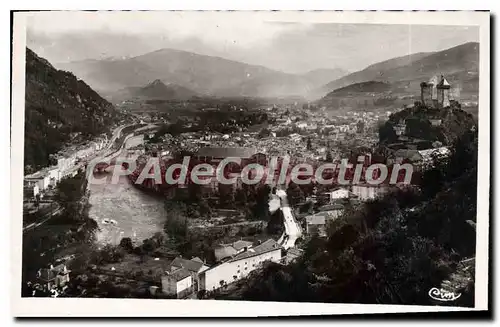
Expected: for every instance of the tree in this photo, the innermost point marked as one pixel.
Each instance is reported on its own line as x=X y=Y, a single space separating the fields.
x=295 y=194
x=126 y=244
x=275 y=223
x=329 y=157
x=391 y=250
x=360 y=126
x=68 y=194
x=386 y=133
x=176 y=223
x=261 y=207
x=110 y=254
x=309 y=144
x=265 y=132
x=240 y=197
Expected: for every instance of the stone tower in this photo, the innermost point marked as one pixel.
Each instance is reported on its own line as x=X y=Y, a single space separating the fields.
x=443 y=93
x=428 y=92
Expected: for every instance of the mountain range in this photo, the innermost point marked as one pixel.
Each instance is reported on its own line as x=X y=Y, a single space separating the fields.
x=215 y=76
x=154 y=90
x=206 y=75
x=459 y=64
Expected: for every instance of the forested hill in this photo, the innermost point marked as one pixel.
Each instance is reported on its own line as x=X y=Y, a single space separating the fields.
x=454 y=122
x=59 y=109
x=392 y=250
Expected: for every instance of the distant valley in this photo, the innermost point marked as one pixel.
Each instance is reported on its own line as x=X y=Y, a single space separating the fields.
x=156 y=90
x=204 y=75
x=185 y=74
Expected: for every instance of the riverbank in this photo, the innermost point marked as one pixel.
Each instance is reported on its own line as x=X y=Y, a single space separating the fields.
x=68 y=233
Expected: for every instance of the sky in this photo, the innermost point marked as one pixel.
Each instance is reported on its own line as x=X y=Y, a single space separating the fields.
x=248 y=37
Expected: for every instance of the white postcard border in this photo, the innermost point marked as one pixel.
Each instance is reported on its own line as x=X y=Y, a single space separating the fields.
x=40 y=307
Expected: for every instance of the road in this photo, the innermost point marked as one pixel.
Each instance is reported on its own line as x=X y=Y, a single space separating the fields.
x=107 y=152
x=116 y=134
x=47 y=217
x=292 y=228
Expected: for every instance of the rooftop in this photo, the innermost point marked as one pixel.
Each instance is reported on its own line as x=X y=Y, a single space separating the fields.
x=179 y=274
x=238 y=245
x=191 y=265
x=316 y=220
x=37 y=175
x=226 y=152
x=48 y=274
x=443 y=83
x=428 y=153
x=294 y=252
x=267 y=246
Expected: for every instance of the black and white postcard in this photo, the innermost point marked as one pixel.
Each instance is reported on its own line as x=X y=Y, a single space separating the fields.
x=327 y=162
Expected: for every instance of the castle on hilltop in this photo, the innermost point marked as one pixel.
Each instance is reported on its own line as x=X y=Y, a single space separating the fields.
x=436 y=92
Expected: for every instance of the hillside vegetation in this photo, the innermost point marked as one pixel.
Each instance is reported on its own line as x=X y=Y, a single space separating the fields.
x=454 y=122
x=59 y=108
x=459 y=64
x=392 y=250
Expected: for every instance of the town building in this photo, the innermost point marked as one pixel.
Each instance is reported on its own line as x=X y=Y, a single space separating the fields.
x=428 y=156
x=240 y=265
x=420 y=159
x=217 y=154
x=195 y=266
x=54 y=175
x=337 y=194
x=40 y=178
x=177 y=283
x=400 y=129
x=404 y=155
x=65 y=160
x=331 y=211
x=366 y=192
x=53 y=277
x=225 y=251
x=435 y=122
x=30 y=189
x=316 y=225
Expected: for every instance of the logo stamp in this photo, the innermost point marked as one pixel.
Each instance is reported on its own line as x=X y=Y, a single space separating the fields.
x=443 y=295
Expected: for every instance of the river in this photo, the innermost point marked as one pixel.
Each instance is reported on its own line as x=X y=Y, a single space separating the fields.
x=138 y=215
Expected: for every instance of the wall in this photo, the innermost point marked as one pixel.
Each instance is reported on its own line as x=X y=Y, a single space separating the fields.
x=210 y=279
x=427 y=96
x=30 y=191
x=54 y=176
x=170 y=286
x=222 y=252
x=339 y=194
x=184 y=284
x=368 y=192
x=65 y=163
x=43 y=183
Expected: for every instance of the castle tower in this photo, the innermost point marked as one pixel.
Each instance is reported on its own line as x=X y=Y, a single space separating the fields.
x=433 y=82
x=443 y=93
x=423 y=92
x=428 y=93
